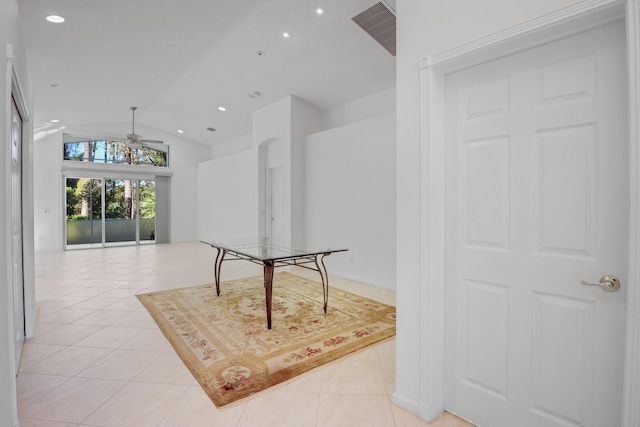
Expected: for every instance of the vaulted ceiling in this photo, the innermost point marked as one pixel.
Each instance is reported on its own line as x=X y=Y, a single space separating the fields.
x=179 y=60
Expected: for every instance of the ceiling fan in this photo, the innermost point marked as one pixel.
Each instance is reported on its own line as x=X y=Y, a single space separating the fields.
x=133 y=139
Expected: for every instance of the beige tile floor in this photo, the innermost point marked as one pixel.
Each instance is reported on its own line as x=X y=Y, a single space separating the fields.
x=98 y=359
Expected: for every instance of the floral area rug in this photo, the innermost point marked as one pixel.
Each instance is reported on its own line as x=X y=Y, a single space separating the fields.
x=225 y=343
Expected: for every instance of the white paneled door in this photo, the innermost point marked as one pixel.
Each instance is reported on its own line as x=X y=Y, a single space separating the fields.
x=16 y=231
x=537 y=201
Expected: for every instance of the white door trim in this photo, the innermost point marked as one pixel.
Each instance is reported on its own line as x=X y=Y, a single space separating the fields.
x=13 y=89
x=631 y=394
x=574 y=19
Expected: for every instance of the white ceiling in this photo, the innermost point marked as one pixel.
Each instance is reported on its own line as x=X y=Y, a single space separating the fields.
x=178 y=60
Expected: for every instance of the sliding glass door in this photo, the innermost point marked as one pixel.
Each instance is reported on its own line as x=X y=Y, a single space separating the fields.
x=120 y=215
x=84 y=211
x=147 y=210
x=109 y=212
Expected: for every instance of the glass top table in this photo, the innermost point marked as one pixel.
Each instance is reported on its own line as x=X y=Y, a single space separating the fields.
x=272 y=254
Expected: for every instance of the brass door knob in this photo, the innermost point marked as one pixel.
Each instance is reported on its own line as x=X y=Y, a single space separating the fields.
x=607 y=283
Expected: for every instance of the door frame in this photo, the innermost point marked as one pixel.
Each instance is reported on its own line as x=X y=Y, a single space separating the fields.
x=271 y=154
x=560 y=24
x=269 y=203
x=13 y=89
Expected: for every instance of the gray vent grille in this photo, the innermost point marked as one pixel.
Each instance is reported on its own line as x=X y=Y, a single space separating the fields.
x=380 y=23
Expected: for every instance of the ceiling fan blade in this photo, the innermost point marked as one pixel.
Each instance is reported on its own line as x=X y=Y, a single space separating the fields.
x=156 y=147
x=151 y=141
x=134 y=145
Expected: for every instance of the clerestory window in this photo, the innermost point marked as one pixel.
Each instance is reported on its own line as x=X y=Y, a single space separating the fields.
x=115 y=152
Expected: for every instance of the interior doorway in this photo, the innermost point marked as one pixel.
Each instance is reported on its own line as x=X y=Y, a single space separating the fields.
x=275 y=204
x=273 y=199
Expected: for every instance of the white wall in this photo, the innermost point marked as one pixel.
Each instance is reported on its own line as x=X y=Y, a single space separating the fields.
x=185 y=157
x=13 y=56
x=288 y=121
x=374 y=105
x=428 y=27
x=49 y=207
x=272 y=121
x=350 y=198
x=305 y=120
x=233 y=146
x=228 y=197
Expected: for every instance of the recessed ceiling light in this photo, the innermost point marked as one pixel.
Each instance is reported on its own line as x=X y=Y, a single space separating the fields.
x=54 y=120
x=55 y=19
x=55 y=85
x=180 y=131
x=210 y=129
x=222 y=109
x=286 y=35
x=320 y=11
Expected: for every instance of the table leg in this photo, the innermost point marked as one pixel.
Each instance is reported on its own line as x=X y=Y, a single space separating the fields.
x=216 y=268
x=268 y=287
x=319 y=259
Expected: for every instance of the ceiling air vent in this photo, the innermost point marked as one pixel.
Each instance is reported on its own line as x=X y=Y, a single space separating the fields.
x=380 y=23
